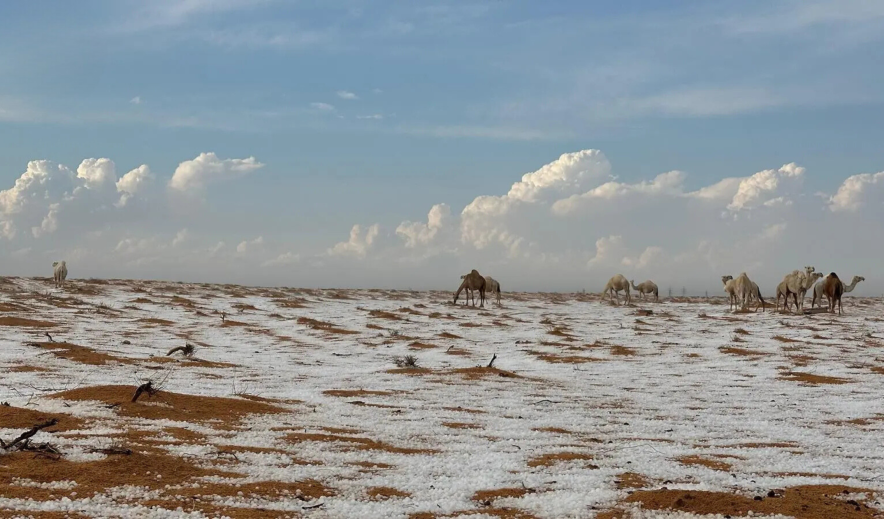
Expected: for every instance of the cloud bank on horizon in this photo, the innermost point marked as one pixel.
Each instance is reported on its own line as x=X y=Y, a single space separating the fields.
x=566 y=226
x=401 y=144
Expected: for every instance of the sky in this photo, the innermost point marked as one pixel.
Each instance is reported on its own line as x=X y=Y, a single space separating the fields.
x=399 y=144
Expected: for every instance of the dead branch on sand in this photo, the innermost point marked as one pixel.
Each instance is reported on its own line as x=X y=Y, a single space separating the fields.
x=27 y=434
x=187 y=350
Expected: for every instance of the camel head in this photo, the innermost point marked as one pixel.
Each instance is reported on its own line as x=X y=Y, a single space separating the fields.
x=54 y=263
x=725 y=279
x=857 y=279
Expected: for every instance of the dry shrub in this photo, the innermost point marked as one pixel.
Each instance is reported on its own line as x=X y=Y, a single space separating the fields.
x=408 y=361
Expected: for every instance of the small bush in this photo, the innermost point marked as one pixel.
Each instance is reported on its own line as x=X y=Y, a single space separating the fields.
x=408 y=361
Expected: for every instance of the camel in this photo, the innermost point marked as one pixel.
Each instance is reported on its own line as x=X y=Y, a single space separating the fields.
x=792 y=284
x=754 y=294
x=795 y=284
x=493 y=286
x=808 y=283
x=648 y=287
x=59 y=273
x=818 y=289
x=730 y=289
x=615 y=285
x=743 y=290
x=833 y=289
x=472 y=281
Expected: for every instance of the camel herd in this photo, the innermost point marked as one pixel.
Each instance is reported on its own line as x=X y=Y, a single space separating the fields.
x=742 y=291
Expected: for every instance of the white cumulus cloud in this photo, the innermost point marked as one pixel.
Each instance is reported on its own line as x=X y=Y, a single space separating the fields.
x=133 y=182
x=359 y=243
x=343 y=94
x=853 y=191
x=97 y=173
x=207 y=168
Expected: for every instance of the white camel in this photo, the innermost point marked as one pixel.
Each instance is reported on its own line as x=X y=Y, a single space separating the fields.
x=493 y=287
x=743 y=290
x=730 y=288
x=792 y=284
x=59 y=273
x=819 y=293
x=648 y=287
x=615 y=285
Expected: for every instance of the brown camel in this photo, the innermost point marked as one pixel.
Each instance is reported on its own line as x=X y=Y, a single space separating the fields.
x=833 y=289
x=472 y=281
x=648 y=287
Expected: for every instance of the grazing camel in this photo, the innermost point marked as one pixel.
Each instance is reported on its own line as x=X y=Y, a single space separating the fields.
x=472 y=281
x=59 y=273
x=833 y=289
x=493 y=286
x=615 y=285
x=731 y=291
x=818 y=289
x=648 y=287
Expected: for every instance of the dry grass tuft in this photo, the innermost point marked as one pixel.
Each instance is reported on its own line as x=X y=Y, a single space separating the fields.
x=804 y=502
x=809 y=378
x=358 y=443
x=324 y=326
x=704 y=462
x=19 y=322
x=548 y=460
x=165 y=405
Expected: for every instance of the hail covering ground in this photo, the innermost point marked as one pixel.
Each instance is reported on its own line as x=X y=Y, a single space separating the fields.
x=585 y=395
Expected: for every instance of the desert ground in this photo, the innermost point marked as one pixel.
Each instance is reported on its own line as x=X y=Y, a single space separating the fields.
x=374 y=403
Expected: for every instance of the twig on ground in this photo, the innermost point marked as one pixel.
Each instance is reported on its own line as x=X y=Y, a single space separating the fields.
x=27 y=434
x=112 y=451
x=50 y=337
x=493 y=358
x=187 y=350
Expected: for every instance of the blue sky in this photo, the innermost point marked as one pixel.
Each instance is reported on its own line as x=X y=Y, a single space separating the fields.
x=369 y=113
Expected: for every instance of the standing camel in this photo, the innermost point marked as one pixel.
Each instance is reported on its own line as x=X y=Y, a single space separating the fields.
x=493 y=286
x=754 y=294
x=472 y=281
x=731 y=291
x=615 y=285
x=833 y=289
x=793 y=284
x=818 y=289
x=811 y=278
x=743 y=290
x=59 y=273
x=648 y=287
